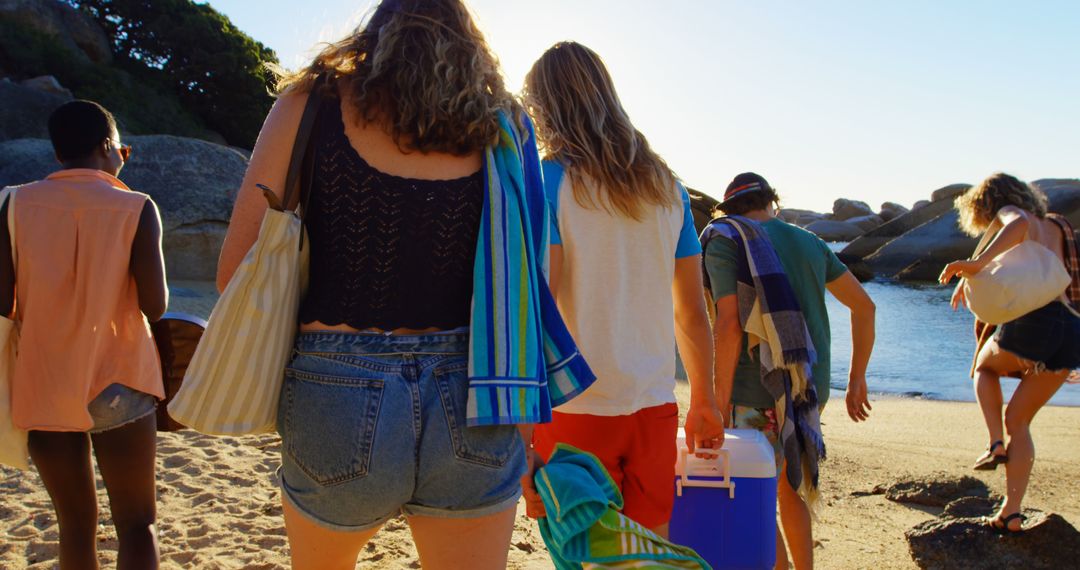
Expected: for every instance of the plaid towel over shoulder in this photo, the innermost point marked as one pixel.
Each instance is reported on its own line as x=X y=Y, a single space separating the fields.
x=770 y=314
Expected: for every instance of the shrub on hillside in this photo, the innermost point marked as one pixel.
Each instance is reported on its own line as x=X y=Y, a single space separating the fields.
x=140 y=108
x=215 y=69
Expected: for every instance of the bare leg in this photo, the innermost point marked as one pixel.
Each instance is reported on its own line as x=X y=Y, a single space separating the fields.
x=481 y=543
x=663 y=531
x=316 y=548
x=988 y=394
x=781 y=550
x=991 y=364
x=126 y=460
x=1030 y=396
x=795 y=517
x=63 y=461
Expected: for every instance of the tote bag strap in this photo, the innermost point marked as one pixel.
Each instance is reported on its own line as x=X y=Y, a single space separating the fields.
x=293 y=180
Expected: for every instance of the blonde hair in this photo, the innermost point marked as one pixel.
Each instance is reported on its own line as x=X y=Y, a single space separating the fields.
x=581 y=123
x=421 y=68
x=980 y=204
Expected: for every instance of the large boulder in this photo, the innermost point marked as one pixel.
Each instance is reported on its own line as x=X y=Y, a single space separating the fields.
x=949 y=192
x=701 y=206
x=24 y=111
x=832 y=230
x=891 y=210
x=1064 y=196
x=193 y=182
x=844 y=209
x=960 y=538
x=866 y=223
x=934 y=244
x=872 y=240
x=933 y=490
x=72 y=28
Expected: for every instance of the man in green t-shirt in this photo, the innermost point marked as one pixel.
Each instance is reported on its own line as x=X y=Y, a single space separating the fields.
x=812 y=268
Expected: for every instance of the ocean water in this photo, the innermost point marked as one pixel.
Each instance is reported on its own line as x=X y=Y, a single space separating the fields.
x=923 y=348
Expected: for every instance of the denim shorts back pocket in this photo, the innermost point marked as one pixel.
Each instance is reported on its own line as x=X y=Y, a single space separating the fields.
x=489 y=446
x=328 y=422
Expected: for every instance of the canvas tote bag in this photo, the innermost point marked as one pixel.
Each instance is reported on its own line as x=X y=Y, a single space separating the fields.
x=1025 y=277
x=13 y=451
x=232 y=383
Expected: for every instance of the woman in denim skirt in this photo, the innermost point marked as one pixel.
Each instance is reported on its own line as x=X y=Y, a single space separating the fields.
x=1041 y=347
x=376 y=417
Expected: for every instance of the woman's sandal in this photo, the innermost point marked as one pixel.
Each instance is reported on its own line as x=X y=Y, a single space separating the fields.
x=989 y=461
x=1001 y=525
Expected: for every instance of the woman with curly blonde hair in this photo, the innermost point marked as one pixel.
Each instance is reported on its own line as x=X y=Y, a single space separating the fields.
x=413 y=384
x=1041 y=347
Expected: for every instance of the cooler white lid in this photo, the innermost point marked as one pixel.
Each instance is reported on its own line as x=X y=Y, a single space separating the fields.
x=751 y=453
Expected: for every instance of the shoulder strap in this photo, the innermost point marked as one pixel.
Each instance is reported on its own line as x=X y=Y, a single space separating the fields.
x=1072 y=261
x=301 y=145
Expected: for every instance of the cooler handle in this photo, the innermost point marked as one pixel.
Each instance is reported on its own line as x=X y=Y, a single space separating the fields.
x=683 y=480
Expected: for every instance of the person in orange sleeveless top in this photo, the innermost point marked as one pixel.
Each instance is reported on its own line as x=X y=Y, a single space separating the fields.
x=82 y=278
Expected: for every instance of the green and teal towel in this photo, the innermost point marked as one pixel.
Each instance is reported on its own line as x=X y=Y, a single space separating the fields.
x=583 y=523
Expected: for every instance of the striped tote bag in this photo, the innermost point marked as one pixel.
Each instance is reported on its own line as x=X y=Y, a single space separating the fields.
x=13 y=448
x=232 y=383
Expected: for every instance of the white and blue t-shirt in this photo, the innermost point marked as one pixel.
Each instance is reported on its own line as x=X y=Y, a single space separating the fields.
x=615 y=295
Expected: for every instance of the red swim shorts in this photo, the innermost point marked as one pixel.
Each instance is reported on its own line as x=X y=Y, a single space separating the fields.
x=637 y=450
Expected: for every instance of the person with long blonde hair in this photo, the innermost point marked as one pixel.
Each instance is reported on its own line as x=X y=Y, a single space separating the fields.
x=624 y=259
x=395 y=401
x=1041 y=347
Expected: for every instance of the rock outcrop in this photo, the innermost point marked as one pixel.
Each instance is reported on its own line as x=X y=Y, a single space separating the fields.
x=832 y=230
x=949 y=192
x=844 y=209
x=892 y=210
x=701 y=206
x=961 y=539
x=193 y=182
x=934 y=490
x=72 y=28
x=866 y=223
x=25 y=111
x=869 y=242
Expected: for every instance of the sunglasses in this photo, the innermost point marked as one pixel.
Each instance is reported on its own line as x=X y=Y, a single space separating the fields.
x=125 y=149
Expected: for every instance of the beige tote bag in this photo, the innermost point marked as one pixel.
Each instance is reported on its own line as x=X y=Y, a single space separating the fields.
x=13 y=451
x=232 y=383
x=1025 y=277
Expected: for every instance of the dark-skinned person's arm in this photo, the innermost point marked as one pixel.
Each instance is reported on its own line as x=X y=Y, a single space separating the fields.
x=7 y=266
x=148 y=264
x=850 y=293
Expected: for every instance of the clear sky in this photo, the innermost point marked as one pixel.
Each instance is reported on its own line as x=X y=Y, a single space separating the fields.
x=865 y=99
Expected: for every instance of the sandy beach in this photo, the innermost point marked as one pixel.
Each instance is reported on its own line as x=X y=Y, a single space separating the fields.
x=219 y=506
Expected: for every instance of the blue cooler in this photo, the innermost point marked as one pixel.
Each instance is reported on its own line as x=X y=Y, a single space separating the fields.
x=725 y=505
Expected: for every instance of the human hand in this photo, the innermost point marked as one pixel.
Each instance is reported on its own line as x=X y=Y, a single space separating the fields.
x=534 y=505
x=704 y=428
x=964 y=268
x=958 y=296
x=858 y=404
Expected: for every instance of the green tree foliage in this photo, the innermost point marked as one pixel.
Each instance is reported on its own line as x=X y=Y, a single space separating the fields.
x=215 y=69
x=140 y=108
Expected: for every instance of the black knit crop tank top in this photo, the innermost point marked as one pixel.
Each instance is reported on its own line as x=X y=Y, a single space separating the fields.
x=387 y=252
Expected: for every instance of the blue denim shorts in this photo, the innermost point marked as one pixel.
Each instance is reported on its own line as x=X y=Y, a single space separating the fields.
x=117 y=405
x=373 y=425
x=1048 y=336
